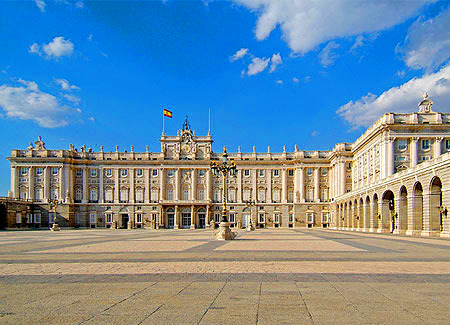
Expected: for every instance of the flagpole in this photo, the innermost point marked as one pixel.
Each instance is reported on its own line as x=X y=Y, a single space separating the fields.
x=163 y=122
x=209 y=121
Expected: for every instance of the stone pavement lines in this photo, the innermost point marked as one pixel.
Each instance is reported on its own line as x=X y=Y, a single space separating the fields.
x=304 y=301
x=212 y=302
x=350 y=242
x=418 y=241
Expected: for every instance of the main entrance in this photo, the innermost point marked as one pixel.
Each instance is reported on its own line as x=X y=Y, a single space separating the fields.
x=125 y=220
x=186 y=220
x=170 y=218
x=201 y=219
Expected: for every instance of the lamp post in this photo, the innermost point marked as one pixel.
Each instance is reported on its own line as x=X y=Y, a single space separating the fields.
x=249 y=204
x=227 y=167
x=53 y=203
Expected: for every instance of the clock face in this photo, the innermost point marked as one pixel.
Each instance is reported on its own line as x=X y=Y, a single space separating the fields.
x=186 y=148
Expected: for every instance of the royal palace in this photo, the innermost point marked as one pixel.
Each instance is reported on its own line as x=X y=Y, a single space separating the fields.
x=393 y=178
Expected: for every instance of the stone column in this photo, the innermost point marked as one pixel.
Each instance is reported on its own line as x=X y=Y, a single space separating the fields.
x=100 y=186
x=85 y=186
x=316 y=185
x=207 y=223
x=177 y=184
x=194 y=184
x=46 y=185
x=209 y=184
x=373 y=217
x=412 y=212
x=330 y=182
x=14 y=182
x=302 y=184
x=254 y=195
x=176 y=224
x=31 y=183
x=239 y=184
x=427 y=216
x=132 y=186
x=193 y=221
x=162 y=184
x=414 y=157
x=366 y=216
x=116 y=185
x=342 y=178
x=147 y=186
x=61 y=183
x=269 y=185
x=390 y=157
x=283 y=186
x=383 y=210
x=437 y=147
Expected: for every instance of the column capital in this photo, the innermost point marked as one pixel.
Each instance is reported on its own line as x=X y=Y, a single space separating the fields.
x=415 y=139
x=439 y=139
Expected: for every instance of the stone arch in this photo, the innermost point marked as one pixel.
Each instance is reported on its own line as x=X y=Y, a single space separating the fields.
x=360 y=221
x=344 y=215
x=387 y=212
x=415 y=225
x=367 y=213
x=401 y=220
x=374 y=215
x=436 y=219
x=349 y=215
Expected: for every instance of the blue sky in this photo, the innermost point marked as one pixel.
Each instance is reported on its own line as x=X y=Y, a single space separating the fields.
x=276 y=73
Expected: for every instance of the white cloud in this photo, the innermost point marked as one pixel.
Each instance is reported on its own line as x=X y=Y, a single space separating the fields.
x=90 y=38
x=257 y=65
x=307 y=78
x=402 y=99
x=279 y=82
x=92 y=119
x=306 y=24
x=74 y=99
x=239 y=54
x=401 y=73
x=28 y=102
x=295 y=80
x=275 y=61
x=327 y=56
x=65 y=85
x=58 y=47
x=79 y=5
x=40 y=4
x=314 y=133
x=359 y=41
x=34 y=48
x=427 y=45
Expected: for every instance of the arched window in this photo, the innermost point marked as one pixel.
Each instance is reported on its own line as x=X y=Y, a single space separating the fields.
x=139 y=195
x=123 y=194
x=109 y=195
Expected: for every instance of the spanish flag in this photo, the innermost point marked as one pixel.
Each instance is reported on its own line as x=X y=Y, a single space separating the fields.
x=167 y=113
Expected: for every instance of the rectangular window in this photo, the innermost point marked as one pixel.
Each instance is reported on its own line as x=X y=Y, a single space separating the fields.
x=139 y=218
x=54 y=171
x=232 y=217
x=201 y=172
x=29 y=218
x=24 y=170
x=201 y=194
x=309 y=195
x=124 y=195
x=232 y=195
x=324 y=171
x=310 y=217
x=217 y=217
x=93 y=194
x=39 y=171
x=38 y=193
x=325 y=217
x=154 y=194
x=424 y=158
x=447 y=144
x=290 y=172
x=276 y=195
x=276 y=218
x=78 y=194
x=108 y=195
x=108 y=172
x=246 y=172
x=261 y=173
x=139 y=195
x=186 y=195
x=54 y=194
x=77 y=218
x=170 y=194
x=425 y=144
x=154 y=172
x=400 y=158
x=291 y=217
x=349 y=166
x=18 y=217
x=79 y=172
x=309 y=171
x=124 y=172
x=276 y=172
x=401 y=144
x=217 y=196
x=324 y=195
x=92 y=217
x=290 y=196
x=23 y=194
x=170 y=173
x=37 y=218
x=108 y=218
x=139 y=172
x=262 y=218
x=246 y=194
x=93 y=172
x=261 y=195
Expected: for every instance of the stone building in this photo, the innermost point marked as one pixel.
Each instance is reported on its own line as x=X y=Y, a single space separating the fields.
x=392 y=178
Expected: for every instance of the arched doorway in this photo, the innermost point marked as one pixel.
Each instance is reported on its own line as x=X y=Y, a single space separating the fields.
x=201 y=218
x=402 y=212
x=374 y=216
x=124 y=218
x=417 y=217
x=245 y=217
x=170 y=218
x=436 y=221
x=361 y=224
x=387 y=212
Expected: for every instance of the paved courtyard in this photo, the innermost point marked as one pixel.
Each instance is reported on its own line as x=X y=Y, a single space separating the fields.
x=293 y=276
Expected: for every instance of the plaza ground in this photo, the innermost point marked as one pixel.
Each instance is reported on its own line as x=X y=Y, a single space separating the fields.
x=280 y=276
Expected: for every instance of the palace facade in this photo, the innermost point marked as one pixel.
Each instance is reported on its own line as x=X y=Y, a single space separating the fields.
x=395 y=177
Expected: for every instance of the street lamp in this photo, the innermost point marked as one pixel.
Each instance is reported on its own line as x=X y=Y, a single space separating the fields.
x=227 y=167
x=52 y=203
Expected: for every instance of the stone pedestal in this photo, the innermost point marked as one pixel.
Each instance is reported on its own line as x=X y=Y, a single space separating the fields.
x=130 y=225
x=55 y=227
x=224 y=232
x=250 y=227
